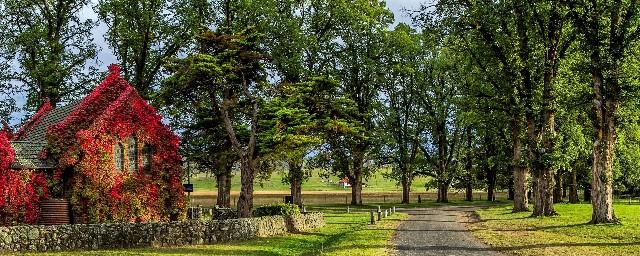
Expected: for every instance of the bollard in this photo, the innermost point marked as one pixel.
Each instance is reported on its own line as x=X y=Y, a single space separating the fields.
x=304 y=208
x=379 y=216
x=386 y=214
x=373 y=219
x=348 y=209
x=390 y=212
x=394 y=209
x=378 y=208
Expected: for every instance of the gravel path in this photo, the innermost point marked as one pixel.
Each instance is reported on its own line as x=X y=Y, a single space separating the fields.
x=438 y=231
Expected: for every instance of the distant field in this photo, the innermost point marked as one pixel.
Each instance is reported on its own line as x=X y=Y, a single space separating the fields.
x=376 y=183
x=318 y=190
x=341 y=197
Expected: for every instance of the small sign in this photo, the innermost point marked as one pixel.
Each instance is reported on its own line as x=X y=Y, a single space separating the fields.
x=188 y=187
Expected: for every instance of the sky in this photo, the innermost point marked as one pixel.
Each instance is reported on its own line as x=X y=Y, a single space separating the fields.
x=106 y=57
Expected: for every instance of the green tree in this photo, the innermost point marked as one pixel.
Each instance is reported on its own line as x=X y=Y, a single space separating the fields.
x=358 y=69
x=228 y=72
x=610 y=32
x=143 y=33
x=52 y=46
x=401 y=125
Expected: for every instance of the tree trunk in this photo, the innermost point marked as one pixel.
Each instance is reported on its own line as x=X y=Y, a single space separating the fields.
x=469 y=189
x=469 y=167
x=224 y=186
x=605 y=108
x=356 y=177
x=356 y=188
x=443 y=193
x=557 y=190
x=296 y=176
x=221 y=179
x=573 y=189
x=543 y=197
x=296 y=192
x=247 y=176
x=491 y=184
x=587 y=193
x=520 y=174
x=602 y=179
x=406 y=187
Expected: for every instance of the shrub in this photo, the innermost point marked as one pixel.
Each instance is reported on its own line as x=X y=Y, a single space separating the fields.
x=276 y=209
x=20 y=191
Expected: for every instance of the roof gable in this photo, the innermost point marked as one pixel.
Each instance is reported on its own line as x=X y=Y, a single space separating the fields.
x=65 y=121
x=38 y=131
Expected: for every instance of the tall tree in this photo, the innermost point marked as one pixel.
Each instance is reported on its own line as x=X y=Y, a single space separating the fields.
x=357 y=68
x=143 y=33
x=610 y=31
x=228 y=72
x=441 y=133
x=52 y=44
x=486 y=30
x=401 y=123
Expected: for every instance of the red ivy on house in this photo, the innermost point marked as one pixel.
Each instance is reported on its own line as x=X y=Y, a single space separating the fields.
x=84 y=143
x=20 y=191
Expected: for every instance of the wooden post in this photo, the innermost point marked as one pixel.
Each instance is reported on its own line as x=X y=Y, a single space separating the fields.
x=384 y=198
x=373 y=219
x=419 y=199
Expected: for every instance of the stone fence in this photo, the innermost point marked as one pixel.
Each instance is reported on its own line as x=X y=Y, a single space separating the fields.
x=161 y=234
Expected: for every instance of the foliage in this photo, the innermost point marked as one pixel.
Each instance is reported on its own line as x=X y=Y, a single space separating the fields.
x=276 y=209
x=143 y=33
x=84 y=142
x=52 y=45
x=227 y=72
x=20 y=190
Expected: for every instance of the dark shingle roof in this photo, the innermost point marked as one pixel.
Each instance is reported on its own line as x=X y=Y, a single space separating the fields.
x=34 y=141
x=38 y=133
x=27 y=155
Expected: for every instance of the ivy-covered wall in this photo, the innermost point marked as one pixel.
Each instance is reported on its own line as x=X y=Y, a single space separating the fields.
x=20 y=190
x=84 y=143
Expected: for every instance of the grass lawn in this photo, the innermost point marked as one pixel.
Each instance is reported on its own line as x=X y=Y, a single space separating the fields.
x=566 y=234
x=345 y=234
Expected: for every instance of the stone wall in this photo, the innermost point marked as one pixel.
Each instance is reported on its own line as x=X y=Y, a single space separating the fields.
x=132 y=235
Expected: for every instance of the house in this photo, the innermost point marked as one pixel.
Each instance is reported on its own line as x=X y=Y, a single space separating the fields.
x=109 y=155
x=344 y=183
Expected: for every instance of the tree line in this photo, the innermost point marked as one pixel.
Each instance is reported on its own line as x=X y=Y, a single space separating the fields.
x=539 y=98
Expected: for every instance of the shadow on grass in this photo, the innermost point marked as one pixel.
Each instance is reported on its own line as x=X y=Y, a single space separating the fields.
x=419 y=248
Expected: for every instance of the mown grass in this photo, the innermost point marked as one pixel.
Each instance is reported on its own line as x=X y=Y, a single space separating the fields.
x=344 y=234
x=565 y=234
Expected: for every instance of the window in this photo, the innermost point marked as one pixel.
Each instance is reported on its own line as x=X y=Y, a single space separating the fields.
x=118 y=156
x=133 y=154
x=147 y=158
